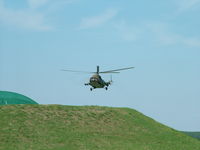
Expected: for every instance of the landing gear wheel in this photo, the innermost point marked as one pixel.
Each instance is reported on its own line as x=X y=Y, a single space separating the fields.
x=106 y=88
x=91 y=89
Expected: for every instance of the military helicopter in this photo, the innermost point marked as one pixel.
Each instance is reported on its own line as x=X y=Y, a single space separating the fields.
x=96 y=81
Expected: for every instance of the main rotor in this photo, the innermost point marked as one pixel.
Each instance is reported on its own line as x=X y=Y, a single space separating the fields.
x=98 y=71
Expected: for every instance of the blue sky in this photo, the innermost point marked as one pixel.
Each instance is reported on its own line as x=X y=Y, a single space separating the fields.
x=161 y=39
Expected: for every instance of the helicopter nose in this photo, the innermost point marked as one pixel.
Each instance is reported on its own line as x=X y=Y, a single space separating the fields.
x=93 y=79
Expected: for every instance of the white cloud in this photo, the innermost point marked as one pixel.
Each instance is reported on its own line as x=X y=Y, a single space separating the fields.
x=194 y=42
x=184 y=5
x=128 y=32
x=37 y=3
x=30 y=18
x=162 y=35
x=23 y=18
x=34 y=4
x=158 y=33
x=1 y=4
x=95 y=21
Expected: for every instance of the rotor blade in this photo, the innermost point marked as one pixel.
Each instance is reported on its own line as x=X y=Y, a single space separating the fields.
x=116 y=70
x=76 y=71
x=109 y=72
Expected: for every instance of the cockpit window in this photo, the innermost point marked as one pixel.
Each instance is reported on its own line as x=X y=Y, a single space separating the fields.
x=93 y=79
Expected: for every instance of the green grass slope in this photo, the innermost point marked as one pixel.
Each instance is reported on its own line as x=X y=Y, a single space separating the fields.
x=55 y=127
x=193 y=134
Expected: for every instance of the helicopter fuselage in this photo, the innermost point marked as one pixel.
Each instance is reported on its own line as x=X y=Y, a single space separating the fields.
x=97 y=82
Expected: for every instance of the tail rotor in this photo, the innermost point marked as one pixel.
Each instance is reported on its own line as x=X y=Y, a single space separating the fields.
x=111 y=81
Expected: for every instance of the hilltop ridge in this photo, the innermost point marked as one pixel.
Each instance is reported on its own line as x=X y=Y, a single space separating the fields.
x=56 y=127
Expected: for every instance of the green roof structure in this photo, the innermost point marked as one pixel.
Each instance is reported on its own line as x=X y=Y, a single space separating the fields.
x=8 y=98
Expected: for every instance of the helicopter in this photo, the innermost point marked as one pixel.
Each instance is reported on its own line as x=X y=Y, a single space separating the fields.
x=96 y=81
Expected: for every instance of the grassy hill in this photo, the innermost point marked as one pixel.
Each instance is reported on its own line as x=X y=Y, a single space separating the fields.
x=193 y=134
x=55 y=127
